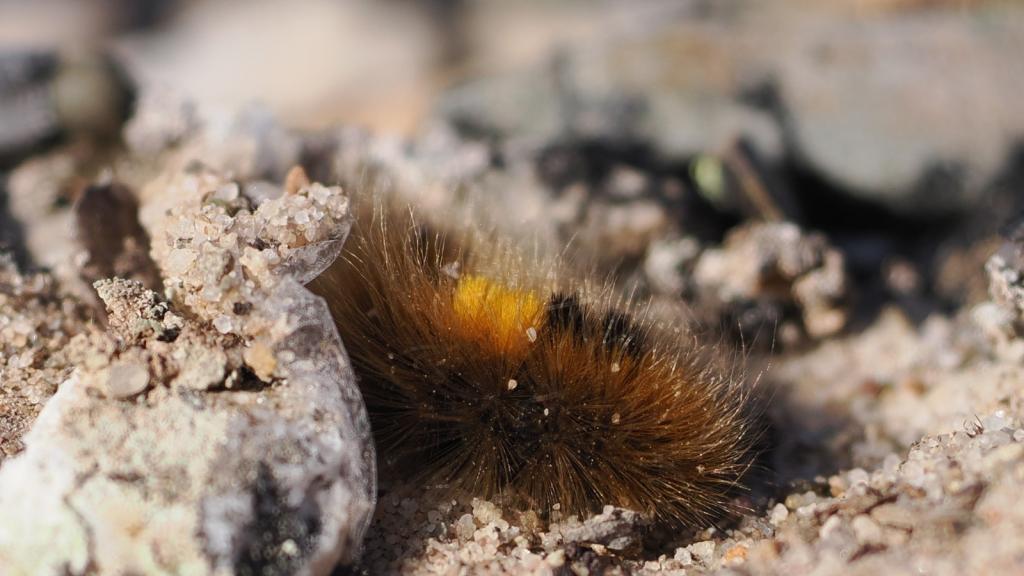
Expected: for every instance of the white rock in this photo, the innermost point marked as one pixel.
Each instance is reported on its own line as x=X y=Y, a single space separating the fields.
x=779 y=514
x=683 y=556
x=185 y=483
x=704 y=551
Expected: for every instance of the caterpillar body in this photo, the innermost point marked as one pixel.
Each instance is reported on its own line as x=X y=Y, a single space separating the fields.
x=486 y=370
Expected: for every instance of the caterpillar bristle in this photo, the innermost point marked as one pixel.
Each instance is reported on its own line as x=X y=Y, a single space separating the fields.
x=493 y=374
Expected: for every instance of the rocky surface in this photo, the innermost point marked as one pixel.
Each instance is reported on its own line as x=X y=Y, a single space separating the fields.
x=235 y=362
x=36 y=326
x=220 y=431
x=780 y=266
x=902 y=517
x=907 y=104
x=161 y=455
x=205 y=422
x=837 y=88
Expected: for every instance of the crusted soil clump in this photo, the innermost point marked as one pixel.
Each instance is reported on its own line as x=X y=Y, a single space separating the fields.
x=222 y=251
x=766 y=272
x=149 y=345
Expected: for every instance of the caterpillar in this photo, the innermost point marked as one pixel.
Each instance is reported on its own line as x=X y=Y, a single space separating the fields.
x=500 y=374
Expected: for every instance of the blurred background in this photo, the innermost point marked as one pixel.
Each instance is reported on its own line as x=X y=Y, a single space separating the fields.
x=894 y=126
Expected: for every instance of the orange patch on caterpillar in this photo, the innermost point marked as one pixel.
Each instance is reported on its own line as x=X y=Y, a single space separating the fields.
x=504 y=318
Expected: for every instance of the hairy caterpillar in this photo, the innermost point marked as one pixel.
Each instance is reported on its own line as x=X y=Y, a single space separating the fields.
x=486 y=370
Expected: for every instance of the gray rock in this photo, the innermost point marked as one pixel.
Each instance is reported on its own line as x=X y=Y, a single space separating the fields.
x=918 y=112
x=26 y=112
x=914 y=111
x=182 y=481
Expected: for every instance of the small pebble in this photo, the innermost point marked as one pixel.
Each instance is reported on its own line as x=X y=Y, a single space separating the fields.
x=703 y=551
x=779 y=514
x=126 y=379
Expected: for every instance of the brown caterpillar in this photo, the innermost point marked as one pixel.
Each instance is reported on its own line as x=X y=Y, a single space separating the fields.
x=486 y=371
